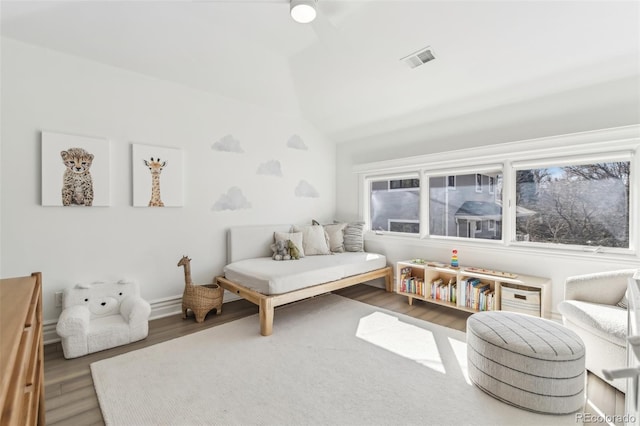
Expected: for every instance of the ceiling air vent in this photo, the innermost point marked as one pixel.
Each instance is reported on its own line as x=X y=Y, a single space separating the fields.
x=420 y=57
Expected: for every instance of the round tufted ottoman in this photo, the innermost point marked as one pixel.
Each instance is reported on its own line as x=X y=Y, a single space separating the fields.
x=529 y=362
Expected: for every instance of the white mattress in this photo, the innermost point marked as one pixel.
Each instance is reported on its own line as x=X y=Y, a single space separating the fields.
x=268 y=276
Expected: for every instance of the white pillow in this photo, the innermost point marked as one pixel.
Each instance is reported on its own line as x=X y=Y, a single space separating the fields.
x=623 y=303
x=336 y=236
x=314 y=240
x=296 y=237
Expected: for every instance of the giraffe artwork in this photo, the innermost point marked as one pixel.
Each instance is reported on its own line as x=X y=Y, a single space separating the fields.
x=155 y=167
x=152 y=161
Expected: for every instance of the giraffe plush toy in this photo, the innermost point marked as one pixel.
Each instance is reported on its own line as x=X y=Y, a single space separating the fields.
x=155 y=167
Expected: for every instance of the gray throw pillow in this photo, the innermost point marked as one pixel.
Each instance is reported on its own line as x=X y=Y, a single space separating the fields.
x=354 y=236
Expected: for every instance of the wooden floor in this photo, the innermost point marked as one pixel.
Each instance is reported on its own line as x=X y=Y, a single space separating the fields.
x=71 y=399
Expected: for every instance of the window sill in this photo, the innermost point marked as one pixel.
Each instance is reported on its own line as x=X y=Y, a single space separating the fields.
x=496 y=246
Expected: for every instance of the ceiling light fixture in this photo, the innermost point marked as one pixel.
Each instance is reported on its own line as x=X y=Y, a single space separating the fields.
x=303 y=11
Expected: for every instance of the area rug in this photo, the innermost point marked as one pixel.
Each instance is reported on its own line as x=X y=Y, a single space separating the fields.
x=330 y=361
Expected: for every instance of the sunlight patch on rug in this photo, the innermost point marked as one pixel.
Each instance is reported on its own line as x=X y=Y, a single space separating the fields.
x=460 y=350
x=403 y=339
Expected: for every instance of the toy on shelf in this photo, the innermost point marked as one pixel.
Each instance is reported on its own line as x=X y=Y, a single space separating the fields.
x=491 y=272
x=454 y=259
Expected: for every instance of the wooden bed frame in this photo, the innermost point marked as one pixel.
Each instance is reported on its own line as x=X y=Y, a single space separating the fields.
x=248 y=242
x=267 y=303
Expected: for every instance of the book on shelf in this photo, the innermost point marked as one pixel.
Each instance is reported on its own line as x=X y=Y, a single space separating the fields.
x=486 y=302
x=409 y=283
x=478 y=289
x=470 y=283
x=463 y=292
x=472 y=292
x=439 y=290
x=434 y=288
x=451 y=297
x=405 y=272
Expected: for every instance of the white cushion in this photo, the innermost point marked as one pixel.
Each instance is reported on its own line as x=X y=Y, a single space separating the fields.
x=336 y=236
x=606 y=321
x=314 y=240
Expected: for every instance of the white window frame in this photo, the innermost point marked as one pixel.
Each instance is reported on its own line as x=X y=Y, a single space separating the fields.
x=568 y=160
x=599 y=145
x=476 y=169
x=478 y=182
x=366 y=207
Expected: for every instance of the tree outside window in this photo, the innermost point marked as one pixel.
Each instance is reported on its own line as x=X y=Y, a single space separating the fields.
x=585 y=204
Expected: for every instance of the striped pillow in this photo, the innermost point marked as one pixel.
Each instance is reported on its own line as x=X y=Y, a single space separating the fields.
x=354 y=236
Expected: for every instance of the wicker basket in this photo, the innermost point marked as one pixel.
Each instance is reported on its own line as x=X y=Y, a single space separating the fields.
x=201 y=299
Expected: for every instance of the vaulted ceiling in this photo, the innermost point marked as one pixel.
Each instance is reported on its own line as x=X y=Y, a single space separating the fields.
x=343 y=71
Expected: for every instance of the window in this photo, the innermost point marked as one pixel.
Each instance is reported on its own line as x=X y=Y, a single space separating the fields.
x=395 y=205
x=451 y=182
x=569 y=194
x=404 y=183
x=584 y=204
x=408 y=226
x=461 y=213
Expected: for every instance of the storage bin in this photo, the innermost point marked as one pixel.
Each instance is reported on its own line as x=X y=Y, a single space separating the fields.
x=524 y=300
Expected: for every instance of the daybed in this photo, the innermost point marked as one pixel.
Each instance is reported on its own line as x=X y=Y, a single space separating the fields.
x=252 y=274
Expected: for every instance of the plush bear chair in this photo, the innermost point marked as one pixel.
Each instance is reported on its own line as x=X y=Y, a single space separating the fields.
x=100 y=316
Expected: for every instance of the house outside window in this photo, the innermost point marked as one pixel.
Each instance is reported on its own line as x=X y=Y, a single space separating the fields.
x=451 y=182
x=583 y=204
x=394 y=205
x=466 y=212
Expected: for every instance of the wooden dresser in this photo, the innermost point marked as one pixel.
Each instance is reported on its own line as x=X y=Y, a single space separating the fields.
x=21 y=351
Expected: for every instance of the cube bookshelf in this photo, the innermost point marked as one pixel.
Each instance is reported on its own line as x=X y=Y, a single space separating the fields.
x=473 y=289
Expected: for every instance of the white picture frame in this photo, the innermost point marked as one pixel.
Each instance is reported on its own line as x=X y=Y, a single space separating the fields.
x=86 y=188
x=167 y=185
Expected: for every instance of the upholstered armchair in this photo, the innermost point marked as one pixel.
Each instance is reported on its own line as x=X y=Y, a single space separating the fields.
x=595 y=308
x=100 y=316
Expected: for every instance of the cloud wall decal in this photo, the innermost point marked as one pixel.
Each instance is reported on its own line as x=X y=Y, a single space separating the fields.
x=271 y=168
x=296 y=142
x=228 y=144
x=305 y=189
x=234 y=199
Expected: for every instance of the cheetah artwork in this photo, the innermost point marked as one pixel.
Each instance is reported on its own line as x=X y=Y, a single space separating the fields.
x=77 y=185
x=155 y=167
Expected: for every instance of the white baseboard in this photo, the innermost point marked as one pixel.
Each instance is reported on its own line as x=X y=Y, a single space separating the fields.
x=159 y=309
x=172 y=306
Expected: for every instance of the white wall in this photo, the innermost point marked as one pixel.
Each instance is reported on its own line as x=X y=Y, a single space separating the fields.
x=44 y=90
x=601 y=106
